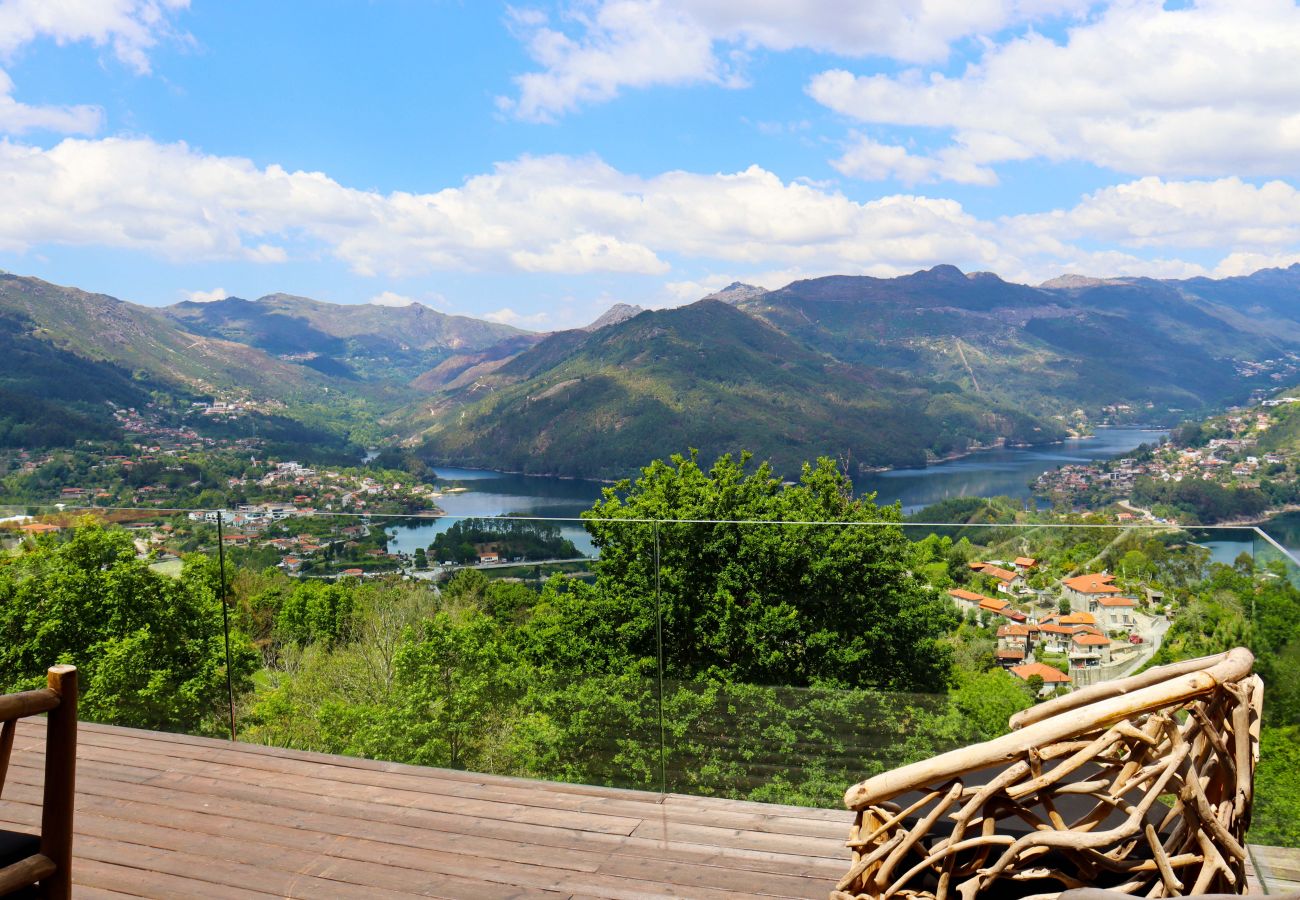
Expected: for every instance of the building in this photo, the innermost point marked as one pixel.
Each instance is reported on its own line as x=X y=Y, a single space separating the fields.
x=1052 y=676
x=1088 y=650
x=1114 y=612
x=1083 y=588
x=1008 y=581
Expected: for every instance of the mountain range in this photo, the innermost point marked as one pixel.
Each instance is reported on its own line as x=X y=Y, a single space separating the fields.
x=877 y=371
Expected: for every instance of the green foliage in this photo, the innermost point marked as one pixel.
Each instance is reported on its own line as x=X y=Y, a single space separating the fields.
x=1196 y=501
x=149 y=648
x=1277 y=789
x=512 y=538
x=316 y=612
x=766 y=603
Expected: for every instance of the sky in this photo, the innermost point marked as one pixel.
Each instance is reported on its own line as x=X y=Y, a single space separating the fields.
x=534 y=163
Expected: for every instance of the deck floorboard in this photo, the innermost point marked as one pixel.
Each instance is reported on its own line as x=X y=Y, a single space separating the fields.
x=162 y=815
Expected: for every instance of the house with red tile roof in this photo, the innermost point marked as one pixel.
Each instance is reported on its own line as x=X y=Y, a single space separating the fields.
x=1049 y=674
x=1081 y=589
x=1008 y=581
x=1115 y=612
x=1024 y=563
x=1089 y=649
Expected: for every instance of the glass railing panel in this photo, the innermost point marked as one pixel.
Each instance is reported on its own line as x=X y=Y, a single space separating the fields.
x=474 y=643
x=133 y=598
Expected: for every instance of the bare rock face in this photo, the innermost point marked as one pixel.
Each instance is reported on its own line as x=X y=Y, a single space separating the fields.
x=736 y=293
x=619 y=312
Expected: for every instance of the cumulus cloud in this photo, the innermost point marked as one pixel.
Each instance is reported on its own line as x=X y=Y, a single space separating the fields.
x=871 y=160
x=206 y=296
x=389 y=298
x=130 y=27
x=579 y=215
x=1204 y=90
x=508 y=316
x=595 y=48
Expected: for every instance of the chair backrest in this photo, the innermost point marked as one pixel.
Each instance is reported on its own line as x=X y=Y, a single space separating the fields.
x=1114 y=753
x=51 y=866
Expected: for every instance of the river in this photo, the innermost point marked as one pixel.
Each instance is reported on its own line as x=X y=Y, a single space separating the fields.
x=1008 y=472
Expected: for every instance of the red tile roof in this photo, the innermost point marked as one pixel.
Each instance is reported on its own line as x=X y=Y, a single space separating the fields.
x=1026 y=562
x=1092 y=584
x=1049 y=674
x=1084 y=639
x=1079 y=618
x=1117 y=601
x=999 y=574
x=1011 y=653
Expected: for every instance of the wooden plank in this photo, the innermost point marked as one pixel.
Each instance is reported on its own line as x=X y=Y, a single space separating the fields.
x=728 y=837
x=169 y=802
x=733 y=814
x=474 y=861
x=168 y=742
x=91 y=875
x=310 y=812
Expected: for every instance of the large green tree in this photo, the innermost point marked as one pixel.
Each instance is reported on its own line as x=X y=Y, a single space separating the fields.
x=149 y=648
x=753 y=587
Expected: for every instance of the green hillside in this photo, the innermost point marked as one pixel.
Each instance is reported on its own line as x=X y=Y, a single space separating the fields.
x=1078 y=343
x=706 y=376
x=353 y=341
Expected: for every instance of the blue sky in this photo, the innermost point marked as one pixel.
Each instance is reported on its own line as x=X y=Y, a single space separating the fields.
x=535 y=162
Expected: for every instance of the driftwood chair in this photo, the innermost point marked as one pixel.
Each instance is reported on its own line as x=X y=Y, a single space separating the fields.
x=1141 y=786
x=43 y=860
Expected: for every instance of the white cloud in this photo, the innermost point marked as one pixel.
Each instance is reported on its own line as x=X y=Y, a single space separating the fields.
x=1204 y=90
x=871 y=160
x=130 y=27
x=389 y=298
x=609 y=45
x=1153 y=212
x=507 y=316
x=578 y=215
x=206 y=296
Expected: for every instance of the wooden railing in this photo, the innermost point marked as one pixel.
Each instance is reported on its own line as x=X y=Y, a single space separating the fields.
x=49 y=864
x=1142 y=786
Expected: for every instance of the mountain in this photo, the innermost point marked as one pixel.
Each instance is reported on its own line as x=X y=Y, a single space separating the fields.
x=1161 y=346
x=619 y=312
x=706 y=376
x=349 y=341
x=67 y=354
x=736 y=293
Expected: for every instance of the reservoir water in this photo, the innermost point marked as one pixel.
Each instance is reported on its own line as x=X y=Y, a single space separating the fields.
x=1007 y=472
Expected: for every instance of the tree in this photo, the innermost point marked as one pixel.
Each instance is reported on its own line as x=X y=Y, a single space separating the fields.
x=745 y=597
x=150 y=649
x=420 y=558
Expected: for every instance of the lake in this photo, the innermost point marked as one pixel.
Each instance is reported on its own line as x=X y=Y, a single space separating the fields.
x=1007 y=472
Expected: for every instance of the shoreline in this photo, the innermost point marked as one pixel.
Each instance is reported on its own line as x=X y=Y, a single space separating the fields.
x=862 y=470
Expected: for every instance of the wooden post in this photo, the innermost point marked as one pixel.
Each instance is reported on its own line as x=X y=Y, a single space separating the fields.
x=60 y=782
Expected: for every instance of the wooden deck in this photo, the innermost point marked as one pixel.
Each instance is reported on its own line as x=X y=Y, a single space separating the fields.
x=162 y=815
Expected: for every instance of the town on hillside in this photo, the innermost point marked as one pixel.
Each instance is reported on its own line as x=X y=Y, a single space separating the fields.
x=1240 y=467
x=1066 y=632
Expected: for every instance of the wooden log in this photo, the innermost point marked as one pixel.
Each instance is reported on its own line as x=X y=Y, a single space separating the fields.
x=1108 y=689
x=27 y=703
x=25 y=872
x=7 y=732
x=1231 y=667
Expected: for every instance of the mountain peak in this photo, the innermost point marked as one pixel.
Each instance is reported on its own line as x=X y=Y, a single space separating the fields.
x=737 y=292
x=619 y=312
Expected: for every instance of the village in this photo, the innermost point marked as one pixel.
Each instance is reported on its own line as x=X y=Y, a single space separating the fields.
x=1250 y=469
x=1079 y=631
